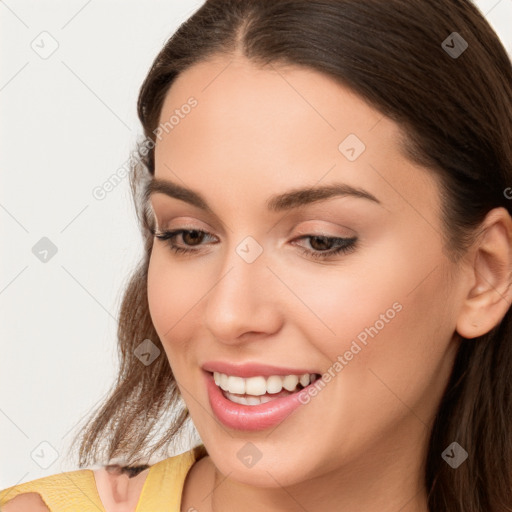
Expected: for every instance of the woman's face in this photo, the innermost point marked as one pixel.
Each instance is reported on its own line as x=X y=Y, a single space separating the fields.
x=379 y=318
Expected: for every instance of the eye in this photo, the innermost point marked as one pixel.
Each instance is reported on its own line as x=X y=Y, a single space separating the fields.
x=195 y=236
x=324 y=247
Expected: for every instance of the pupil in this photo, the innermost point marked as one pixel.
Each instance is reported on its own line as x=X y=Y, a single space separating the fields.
x=323 y=242
x=194 y=235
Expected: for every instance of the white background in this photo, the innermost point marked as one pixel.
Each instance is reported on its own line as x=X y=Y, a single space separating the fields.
x=67 y=124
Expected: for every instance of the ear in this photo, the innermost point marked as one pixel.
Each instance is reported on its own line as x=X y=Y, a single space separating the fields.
x=490 y=285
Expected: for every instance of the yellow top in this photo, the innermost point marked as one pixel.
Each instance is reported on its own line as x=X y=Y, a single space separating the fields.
x=76 y=491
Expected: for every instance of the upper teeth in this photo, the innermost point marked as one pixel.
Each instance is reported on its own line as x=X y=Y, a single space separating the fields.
x=261 y=385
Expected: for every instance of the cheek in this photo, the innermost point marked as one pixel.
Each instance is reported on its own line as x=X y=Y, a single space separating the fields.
x=344 y=303
x=392 y=337
x=172 y=294
x=393 y=318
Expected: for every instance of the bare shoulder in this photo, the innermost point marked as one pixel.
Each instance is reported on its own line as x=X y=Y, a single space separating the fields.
x=26 y=502
x=118 y=490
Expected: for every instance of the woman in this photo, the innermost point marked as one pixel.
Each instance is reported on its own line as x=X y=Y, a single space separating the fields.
x=324 y=196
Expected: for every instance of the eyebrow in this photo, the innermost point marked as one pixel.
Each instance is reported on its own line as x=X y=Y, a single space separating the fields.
x=289 y=200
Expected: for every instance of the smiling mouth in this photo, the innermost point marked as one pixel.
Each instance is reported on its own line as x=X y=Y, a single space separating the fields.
x=259 y=390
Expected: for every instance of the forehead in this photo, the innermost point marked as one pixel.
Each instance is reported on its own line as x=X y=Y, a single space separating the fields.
x=277 y=127
x=241 y=98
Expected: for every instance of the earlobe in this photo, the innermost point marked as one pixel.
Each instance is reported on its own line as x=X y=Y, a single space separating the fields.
x=489 y=296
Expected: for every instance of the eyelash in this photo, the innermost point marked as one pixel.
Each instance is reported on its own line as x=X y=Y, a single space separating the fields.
x=347 y=244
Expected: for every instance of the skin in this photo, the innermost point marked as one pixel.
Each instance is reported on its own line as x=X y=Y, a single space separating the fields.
x=26 y=502
x=360 y=444
x=118 y=492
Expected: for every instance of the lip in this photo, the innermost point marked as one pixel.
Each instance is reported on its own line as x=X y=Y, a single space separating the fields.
x=251 y=417
x=247 y=370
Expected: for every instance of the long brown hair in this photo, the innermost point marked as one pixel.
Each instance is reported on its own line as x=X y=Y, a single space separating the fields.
x=457 y=112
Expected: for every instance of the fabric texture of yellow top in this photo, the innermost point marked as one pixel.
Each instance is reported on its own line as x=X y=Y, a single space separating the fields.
x=76 y=491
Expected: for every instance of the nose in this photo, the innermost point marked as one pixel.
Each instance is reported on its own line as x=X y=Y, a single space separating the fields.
x=244 y=301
